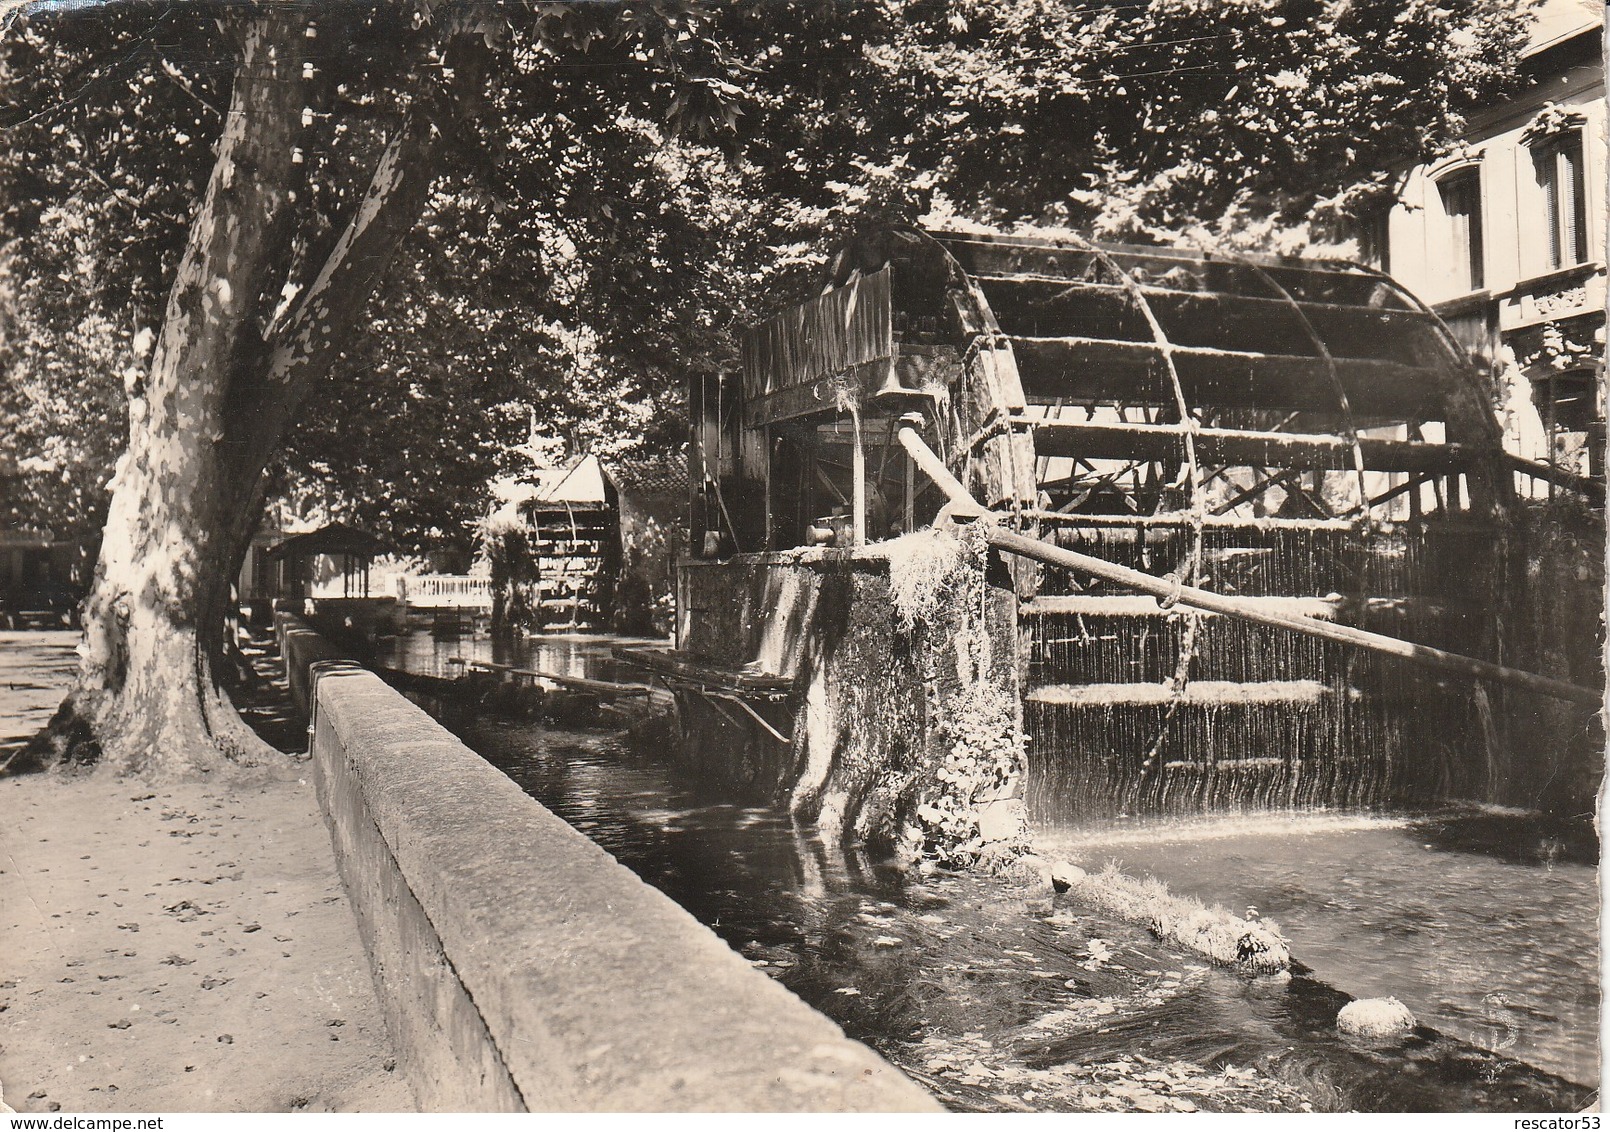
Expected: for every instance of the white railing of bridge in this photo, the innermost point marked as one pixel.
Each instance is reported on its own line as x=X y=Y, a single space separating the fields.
x=445 y=591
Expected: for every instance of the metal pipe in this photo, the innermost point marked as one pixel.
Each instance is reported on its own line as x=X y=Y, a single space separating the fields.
x=1170 y=592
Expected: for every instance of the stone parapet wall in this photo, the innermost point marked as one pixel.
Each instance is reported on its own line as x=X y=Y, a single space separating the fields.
x=522 y=968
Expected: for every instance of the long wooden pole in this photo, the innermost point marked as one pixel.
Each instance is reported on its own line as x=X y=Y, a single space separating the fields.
x=1559 y=477
x=1424 y=655
x=1171 y=592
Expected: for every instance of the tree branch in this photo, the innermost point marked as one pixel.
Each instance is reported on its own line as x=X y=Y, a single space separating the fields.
x=313 y=335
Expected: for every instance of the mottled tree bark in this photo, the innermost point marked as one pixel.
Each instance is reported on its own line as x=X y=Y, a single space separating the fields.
x=223 y=385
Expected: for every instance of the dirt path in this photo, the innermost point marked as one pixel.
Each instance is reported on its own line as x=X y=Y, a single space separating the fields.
x=183 y=949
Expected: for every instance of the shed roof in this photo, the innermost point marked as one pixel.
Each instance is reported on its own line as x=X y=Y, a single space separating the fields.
x=580 y=481
x=657 y=474
x=336 y=538
x=1560 y=20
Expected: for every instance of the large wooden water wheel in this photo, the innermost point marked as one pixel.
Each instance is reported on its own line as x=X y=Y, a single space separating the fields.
x=1303 y=434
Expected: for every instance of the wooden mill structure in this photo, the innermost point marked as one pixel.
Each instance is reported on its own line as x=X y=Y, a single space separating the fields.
x=1303 y=435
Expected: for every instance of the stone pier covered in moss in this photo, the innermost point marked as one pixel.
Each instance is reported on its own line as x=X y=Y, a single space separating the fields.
x=903 y=719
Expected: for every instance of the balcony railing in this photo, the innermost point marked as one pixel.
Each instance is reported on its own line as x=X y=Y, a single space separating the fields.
x=445 y=591
x=1566 y=293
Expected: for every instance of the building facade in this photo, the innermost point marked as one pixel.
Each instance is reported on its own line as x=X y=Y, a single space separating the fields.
x=1505 y=239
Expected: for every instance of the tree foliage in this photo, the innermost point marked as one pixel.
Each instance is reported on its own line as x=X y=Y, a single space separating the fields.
x=105 y=141
x=641 y=179
x=1139 y=119
x=339 y=123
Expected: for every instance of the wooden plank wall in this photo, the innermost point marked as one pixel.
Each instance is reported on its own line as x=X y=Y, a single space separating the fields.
x=845 y=327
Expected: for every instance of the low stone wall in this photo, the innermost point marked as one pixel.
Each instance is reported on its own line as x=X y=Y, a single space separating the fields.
x=523 y=968
x=301 y=647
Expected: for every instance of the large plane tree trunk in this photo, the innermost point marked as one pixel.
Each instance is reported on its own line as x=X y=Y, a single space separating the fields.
x=223 y=385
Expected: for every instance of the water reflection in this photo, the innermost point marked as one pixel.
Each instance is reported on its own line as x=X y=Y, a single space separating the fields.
x=563 y=654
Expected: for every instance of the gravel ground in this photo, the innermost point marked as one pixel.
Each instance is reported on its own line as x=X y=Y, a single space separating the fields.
x=173 y=950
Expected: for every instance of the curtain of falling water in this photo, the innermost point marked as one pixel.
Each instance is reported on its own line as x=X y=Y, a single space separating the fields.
x=1272 y=719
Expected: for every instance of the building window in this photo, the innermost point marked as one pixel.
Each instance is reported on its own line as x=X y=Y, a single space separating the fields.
x=1569 y=405
x=1461 y=202
x=1560 y=176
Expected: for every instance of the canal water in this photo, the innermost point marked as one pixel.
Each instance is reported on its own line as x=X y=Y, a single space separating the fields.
x=998 y=997
x=563 y=654
x=1485 y=923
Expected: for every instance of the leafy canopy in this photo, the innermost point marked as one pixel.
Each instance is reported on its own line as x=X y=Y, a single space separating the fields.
x=638 y=180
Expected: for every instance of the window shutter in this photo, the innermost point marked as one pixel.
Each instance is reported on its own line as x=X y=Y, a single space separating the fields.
x=1548 y=179
x=1573 y=204
x=1561 y=178
x=1461 y=201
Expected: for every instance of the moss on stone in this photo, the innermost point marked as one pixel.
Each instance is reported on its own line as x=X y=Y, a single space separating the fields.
x=1256 y=946
x=967 y=811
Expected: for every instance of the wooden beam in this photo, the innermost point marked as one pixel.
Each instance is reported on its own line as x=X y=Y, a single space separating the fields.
x=1403 y=488
x=1424 y=656
x=1100 y=369
x=1309 y=280
x=1559 y=477
x=771 y=458
x=1115 y=440
x=1013 y=243
x=578 y=683
x=716 y=703
x=826 y=480
x=699 y=670
x=1144 y=605
x=1039 y=305
x=857 y=482
x=920 y=371
x=743 y=705
x=1176 y=520
x=1247 y=494
x=1079 y=288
